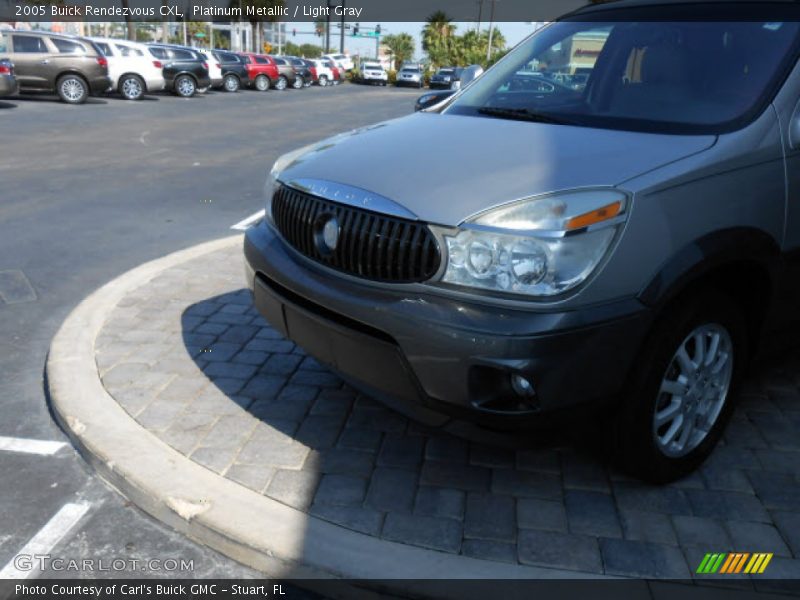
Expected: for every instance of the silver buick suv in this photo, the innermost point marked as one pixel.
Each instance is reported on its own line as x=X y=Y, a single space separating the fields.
x=604 y=224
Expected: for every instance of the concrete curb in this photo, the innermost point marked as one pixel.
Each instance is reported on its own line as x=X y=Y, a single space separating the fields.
x=240 y=523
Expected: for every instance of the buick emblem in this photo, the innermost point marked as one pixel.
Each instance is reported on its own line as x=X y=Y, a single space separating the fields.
x=328 y=235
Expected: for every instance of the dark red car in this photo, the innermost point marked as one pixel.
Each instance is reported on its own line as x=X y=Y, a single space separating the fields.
x=262 y=70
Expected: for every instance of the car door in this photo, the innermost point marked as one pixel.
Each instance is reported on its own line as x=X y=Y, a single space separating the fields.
x=32 y=59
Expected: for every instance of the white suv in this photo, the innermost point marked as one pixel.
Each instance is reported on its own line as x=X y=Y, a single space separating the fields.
x=132 y=70
x=325 y=75
x=341 y=60
x=214 y=68
x=373 y=72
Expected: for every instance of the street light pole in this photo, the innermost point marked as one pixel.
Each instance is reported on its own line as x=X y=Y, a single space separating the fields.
x=341 y=33
x=491 y=32
x=480 y=12
x=328 y=27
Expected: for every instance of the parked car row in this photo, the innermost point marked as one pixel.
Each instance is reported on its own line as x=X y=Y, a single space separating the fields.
x=76 y=67
x=373 y=72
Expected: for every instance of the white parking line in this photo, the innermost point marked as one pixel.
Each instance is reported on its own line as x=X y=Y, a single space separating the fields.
x=44 y=541
x=245 y=223
x=27 y=446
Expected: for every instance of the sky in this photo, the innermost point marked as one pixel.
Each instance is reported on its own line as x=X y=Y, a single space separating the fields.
x=513 y=32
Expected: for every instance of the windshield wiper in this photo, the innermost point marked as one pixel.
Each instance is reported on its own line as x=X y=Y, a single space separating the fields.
x=523 y=114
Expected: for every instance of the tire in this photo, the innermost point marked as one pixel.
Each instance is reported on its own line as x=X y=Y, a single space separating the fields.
x=700 y=384
x=261 y=83
x=185 y=86
x=131 y=87
x=72 y=89
x=323 y=81
x=231 y=83
x=282 y=83
x=298 y=82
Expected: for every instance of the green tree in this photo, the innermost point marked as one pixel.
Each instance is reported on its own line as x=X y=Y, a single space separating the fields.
x=401 y=46
x=470 y=48
x=304 y=50
x=437 y=38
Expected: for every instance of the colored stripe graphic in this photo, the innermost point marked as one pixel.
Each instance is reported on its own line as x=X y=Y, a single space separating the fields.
x=728 y=562
x=734 y=562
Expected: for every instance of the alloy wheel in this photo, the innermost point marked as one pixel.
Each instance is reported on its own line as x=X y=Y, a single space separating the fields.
x=231 y=83
x=72 y=89
x=186 y=87
x=132 y=88
x=694 y=390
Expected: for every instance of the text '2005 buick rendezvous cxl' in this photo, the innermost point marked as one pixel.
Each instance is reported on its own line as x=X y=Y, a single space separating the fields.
x=604 y=220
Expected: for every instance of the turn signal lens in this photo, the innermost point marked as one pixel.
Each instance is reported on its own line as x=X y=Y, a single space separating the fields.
x=609 y=211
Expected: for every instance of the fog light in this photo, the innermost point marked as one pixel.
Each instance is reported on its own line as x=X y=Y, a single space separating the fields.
x=522 y=386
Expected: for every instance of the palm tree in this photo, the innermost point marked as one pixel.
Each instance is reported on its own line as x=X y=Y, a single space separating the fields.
x=437 y=36
x=401 y=46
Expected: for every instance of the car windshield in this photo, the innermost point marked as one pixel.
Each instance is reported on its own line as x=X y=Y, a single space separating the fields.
x=372 y=66
x=670 y=77
x=445 y=72
x=410 y=70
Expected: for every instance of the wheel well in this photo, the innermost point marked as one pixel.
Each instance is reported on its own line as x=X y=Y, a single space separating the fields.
x=75 y=73
x=747 y=282
x=187 y=75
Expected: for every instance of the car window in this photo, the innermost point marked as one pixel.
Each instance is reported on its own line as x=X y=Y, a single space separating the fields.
x=29 y=43
x=179 y=54
x=3 y=43
x=68 y=46
x=105 y=48
x=641 y=75
x=279 y=61
x=228 y=57
x=261 y=60
x=158 y=52
x=128 y=50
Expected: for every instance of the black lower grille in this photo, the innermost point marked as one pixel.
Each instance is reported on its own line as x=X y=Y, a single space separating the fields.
x=370 y=245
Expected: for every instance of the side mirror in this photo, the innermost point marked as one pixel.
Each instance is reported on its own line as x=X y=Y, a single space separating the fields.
x=431 y=99
x=470 y=74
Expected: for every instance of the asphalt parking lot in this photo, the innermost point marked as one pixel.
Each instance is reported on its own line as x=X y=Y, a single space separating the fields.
x=89 y=192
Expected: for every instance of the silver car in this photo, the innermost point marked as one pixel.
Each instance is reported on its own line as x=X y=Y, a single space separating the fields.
x=616 y=244
x=410 y=75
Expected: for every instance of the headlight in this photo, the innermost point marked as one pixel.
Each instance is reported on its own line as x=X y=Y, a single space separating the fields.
x=538 y=247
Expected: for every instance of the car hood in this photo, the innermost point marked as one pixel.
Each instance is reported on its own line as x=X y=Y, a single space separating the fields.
x=445 y=168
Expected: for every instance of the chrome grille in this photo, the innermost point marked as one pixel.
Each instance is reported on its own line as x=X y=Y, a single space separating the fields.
x=370 y=245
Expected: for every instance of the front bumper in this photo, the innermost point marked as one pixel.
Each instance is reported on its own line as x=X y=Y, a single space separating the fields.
x=427 y=353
